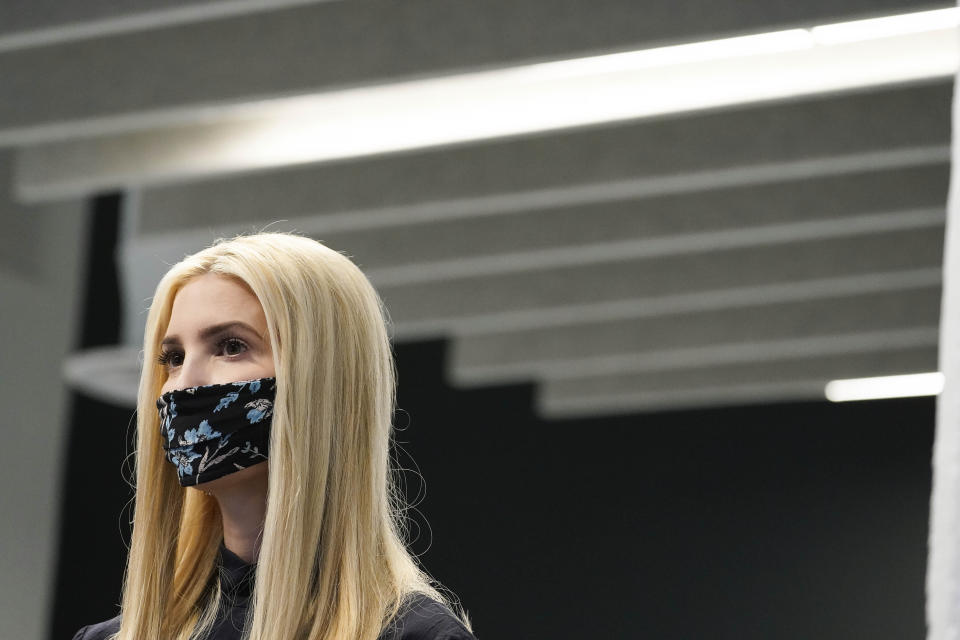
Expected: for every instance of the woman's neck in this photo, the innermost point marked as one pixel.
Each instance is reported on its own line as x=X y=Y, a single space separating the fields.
x=243 y=507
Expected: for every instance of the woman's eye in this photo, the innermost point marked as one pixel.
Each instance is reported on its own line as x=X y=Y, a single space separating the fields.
x=228 y=347
x=233 y=346
x=171 y=358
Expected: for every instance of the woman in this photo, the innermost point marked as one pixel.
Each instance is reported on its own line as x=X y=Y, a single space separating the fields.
x=265 y=507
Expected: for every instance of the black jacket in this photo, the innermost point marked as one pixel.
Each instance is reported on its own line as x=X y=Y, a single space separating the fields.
x=421 y=618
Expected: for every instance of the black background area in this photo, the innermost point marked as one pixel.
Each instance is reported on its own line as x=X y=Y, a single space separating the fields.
x=93 y=519
x=781 y=521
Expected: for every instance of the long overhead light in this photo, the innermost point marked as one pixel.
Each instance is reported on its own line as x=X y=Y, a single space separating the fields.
x=503 y=102
x=918 y=384
x=606 y=88
x=887 y=27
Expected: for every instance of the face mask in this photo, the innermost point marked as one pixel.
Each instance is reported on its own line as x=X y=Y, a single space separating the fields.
x=217 y=429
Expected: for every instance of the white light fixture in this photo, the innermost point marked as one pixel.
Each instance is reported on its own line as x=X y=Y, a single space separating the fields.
x=519 y=100
x=607 y=88
x=918 y=384
x=693 y=52
x=887 y=27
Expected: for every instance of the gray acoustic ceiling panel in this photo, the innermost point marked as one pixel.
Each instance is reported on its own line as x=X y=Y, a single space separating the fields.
x=126 y=80
x=746 y=382
x=528 y=352
x=754 y=143
x=737 y=255
x=820 y=235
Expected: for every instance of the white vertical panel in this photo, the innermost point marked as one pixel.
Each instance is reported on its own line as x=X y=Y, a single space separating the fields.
x=943 y=570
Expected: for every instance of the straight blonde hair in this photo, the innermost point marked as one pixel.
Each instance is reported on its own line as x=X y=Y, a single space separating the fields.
x=332 y=562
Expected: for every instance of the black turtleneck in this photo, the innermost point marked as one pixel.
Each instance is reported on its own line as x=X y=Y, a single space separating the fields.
x=421 y=618
x=236 y=581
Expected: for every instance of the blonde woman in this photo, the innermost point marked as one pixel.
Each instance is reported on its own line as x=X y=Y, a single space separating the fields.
x=265 y=507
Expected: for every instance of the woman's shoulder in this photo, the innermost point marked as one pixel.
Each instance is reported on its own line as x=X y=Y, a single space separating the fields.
x=420 y=618
x=423 y=618
x=99 y=631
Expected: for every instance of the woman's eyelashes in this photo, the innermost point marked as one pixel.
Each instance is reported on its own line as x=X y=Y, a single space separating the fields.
x=170 y=358
x=229 y=347
x=232 y=346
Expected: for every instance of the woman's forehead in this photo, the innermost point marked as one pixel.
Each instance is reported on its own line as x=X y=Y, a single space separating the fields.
x=214 y=299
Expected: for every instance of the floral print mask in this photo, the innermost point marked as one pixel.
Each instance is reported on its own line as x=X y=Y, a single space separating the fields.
x=217 y=429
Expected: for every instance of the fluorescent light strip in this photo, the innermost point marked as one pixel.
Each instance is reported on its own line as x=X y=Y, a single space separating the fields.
x=493 y=104
x=594 y=90
x=753 y=45
x=918 y=384
x=887 y=27
x=690 y=53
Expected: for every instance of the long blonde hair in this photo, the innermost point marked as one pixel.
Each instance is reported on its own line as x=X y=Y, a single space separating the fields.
x=332 y=561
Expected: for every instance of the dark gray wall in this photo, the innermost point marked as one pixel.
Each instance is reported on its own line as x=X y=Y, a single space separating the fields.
x=41 y=268
x=791 y=521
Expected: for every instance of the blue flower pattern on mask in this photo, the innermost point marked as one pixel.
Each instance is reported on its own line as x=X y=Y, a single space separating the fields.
x=227 y=400
x=167 y=414
x=201 y=434
x=183 y=458
x=259 y=409
x=207 y=442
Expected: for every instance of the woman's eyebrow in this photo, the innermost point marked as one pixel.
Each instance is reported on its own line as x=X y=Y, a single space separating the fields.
x=213 y=330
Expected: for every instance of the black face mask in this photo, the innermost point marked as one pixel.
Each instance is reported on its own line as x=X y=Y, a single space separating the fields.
x=217 y=429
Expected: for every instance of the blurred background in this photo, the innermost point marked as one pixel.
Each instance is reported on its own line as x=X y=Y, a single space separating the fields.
x=625 y=247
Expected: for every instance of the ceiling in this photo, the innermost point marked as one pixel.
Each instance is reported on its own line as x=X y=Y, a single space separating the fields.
x=737 y=255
